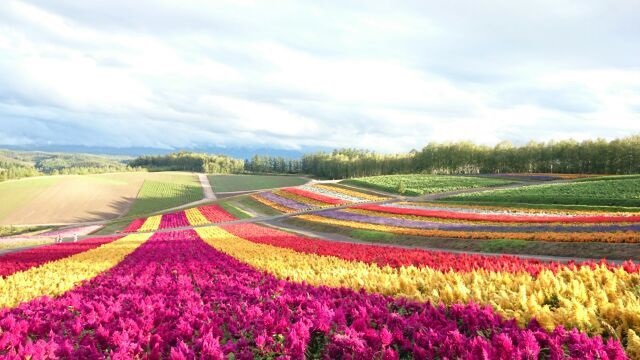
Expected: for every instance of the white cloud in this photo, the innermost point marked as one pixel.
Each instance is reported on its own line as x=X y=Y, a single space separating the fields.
x=390 y=77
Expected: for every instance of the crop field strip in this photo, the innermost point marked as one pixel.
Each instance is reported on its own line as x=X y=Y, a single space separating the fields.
x=171 y=192
x=621 y=192
x=240 y=183
x=416 y=185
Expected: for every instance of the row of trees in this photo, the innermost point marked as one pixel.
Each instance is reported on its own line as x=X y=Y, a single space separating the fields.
x=620 y=156
x=273 y=164
x=189 y=161
x=11 y=170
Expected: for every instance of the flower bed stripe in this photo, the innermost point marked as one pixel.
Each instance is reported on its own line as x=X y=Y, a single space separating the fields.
x=497 y=218
x=195 y=217
x=594 y=300
x=151 y=224
x=215 y=213
x=475 y=227
x=397 y=257
x=611 y=237
x=174 y=220
x=161 y=302
x=315 y=196
x=272 y=204
x=135 y=225
x=56 y=277
x=23 y=260
x=311 y=203
x=289 y=203
x=349 y=192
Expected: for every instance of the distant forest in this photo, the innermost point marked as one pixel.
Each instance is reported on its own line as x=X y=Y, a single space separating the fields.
x=619 y=156
x=190 y=161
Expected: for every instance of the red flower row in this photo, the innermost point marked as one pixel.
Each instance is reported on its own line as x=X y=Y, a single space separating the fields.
x=23 y=260
x=215 y=213
x=135 y=225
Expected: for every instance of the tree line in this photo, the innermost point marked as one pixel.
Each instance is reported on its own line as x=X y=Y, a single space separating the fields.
x=619 y=156
x=190 y=161
x=273 y=164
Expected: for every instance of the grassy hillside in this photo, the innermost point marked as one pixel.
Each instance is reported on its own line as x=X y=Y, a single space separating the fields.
x=419 y=184
x=226 y=183
x=614 y=191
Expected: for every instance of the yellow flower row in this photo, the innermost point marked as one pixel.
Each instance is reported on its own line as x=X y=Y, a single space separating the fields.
x=348 y=192
x=271 y=204
x=151 y=224
x=56 y=277
x=597 y=301
x=609 y=237
x=195 y=217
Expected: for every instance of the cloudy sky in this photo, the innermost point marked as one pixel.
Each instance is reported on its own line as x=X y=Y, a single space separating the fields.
x=388 y=76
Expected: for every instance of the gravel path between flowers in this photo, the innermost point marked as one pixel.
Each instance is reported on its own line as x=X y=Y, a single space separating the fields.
x=206 y=187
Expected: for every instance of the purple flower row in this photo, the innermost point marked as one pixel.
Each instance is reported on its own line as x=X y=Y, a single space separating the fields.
x=432 y=225
x=284 y=201
x=177 y=297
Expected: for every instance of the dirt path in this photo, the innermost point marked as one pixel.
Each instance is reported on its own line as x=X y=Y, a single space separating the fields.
x=206 y=187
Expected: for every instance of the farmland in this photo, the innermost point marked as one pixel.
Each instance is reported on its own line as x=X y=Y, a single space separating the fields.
x=614 y=191
x=423 y=184
x=231 y=183
x=167 y=192
x=78 y=198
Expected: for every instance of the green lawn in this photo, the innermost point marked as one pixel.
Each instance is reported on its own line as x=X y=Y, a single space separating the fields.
x=228 y=183
x=617 y=192
x=234 y=210
x=165 y=192
x=419 y=184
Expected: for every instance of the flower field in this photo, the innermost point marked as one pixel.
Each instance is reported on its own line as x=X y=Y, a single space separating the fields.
x=448 y=221
x=309 y=197
x=245 y=291
x=198 y=216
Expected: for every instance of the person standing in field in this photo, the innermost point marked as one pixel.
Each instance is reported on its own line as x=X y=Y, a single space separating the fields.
x=75 y=237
